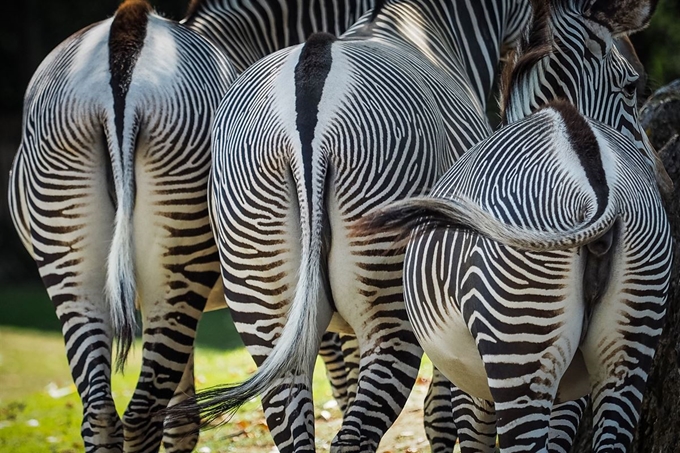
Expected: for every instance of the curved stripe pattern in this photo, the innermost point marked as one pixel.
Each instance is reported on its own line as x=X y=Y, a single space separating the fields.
x=510 y=319
x=248 y=30
x=112 y=167
x=306 y=142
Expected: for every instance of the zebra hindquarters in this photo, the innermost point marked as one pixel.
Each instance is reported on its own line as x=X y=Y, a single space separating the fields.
x=501 y=324
x=525 y=312
x=625 y=325
x=365 y=279
x=69 y=218
x=176 y=266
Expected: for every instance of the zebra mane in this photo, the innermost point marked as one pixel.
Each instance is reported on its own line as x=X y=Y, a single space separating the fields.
x=534 y=45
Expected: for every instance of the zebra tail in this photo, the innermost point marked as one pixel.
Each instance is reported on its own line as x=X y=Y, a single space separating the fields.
x=295 y=351
x=120 y=272
x=428 y=213
x=126 y=38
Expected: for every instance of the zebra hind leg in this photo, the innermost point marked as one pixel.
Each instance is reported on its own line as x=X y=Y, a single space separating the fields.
x=388 y=370
x=564 y=421
x=181 y=436
x=75 y=283
x=336 y=371
x=440 y=428
x=87 y=336
x=476 y=422
x=352 y=358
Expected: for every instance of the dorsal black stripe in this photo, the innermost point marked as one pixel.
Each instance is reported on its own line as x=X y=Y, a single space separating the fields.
x=311 y=72
x=126 y=39
x=587 y=149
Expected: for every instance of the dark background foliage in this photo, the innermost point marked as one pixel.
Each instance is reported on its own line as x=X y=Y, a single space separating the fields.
x=32 y=28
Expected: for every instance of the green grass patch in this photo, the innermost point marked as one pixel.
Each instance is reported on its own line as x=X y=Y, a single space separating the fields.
x=40 y=410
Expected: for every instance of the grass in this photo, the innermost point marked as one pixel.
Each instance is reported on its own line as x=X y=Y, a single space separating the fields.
x=40 y=409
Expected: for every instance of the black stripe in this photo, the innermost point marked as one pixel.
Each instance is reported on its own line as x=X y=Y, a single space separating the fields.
x=126 y=39
x=587 y=149
x=310 y=77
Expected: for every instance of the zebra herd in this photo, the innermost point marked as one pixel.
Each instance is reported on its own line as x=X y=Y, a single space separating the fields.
x=333 y=162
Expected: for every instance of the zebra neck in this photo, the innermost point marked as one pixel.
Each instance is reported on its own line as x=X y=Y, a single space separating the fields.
x=248 y=30
x=460 y=36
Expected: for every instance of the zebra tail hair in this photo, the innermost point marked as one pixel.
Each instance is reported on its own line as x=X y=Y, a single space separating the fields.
x=126 y=39
x=422 y=214
x=120 y=271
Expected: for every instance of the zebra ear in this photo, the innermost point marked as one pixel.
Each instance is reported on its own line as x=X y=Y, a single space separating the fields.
x=621 y=17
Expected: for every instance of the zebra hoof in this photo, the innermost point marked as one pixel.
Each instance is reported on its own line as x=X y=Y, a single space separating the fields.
x=346 y=443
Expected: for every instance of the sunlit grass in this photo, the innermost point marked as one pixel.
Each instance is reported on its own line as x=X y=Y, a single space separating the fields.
x=40 y=410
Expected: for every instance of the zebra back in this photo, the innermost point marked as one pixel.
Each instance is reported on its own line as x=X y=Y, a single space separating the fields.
x=248 y=30
x=569 y=51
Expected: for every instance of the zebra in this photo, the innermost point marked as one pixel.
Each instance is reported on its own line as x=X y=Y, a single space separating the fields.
x=538 y=267
x=287 y=186
x=69 y=127
x=108 y=194
x=248 y=30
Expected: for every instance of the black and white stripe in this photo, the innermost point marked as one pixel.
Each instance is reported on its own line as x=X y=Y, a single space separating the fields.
x=108 y=193
x=539 y=267
x=305 y=143
x=247 y=30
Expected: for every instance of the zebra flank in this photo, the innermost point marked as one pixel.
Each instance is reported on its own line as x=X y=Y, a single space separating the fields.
x=126 y=39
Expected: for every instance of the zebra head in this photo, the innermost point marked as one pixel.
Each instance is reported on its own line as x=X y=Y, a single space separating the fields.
x=568 y=51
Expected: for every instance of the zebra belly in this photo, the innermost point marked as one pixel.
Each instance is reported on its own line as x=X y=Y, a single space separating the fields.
x=453 y=351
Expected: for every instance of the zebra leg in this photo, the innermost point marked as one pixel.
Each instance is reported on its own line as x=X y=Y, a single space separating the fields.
x=176 y=267
x=340 y=353
x=67 y=216
x=388 y=369
x=564 y=421
x=352 y=358
x=336 y=371
x=475 y=420
x=87 y=336
x=168 y=338
x=181 y=436
x=618 y=352
x=440 y=429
